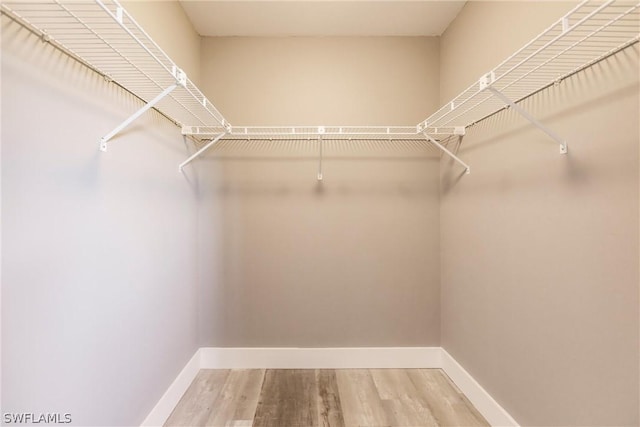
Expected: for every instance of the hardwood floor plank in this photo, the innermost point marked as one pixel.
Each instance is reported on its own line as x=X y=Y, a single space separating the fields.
x=408 y=413
x=329 y=407
x=237 y=401
x=326 y=398
x=288 y=398
x=401 y=400
x=361 y=404
x=246 y=409
x=197 y=402
x=447 y=404
x=392 y=383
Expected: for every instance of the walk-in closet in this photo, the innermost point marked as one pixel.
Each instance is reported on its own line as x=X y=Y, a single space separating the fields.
x=301 y=213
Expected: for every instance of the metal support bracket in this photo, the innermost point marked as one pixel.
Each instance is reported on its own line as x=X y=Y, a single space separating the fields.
x=321 y=131
x=181 y=80
x=134 y=116
x=485 y=83
x=202 y=150
x=467 y=169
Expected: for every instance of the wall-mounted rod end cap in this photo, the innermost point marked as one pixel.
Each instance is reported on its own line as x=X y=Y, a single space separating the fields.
x=319 y=177
x=467 y=171
x=103 y=145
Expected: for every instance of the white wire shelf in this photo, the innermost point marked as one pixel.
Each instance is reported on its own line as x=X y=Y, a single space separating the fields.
x=101 y=34
x=307 y=149
x=590 y=32
x=312 y=132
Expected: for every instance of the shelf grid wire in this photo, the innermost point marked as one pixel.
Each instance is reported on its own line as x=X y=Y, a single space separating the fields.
x=307 y=132
x=103 y=35
x=590 y=32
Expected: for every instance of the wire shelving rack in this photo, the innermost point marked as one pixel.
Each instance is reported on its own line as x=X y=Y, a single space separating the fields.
x=101 y=34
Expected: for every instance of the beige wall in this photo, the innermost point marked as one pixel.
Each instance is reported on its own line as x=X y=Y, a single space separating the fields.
x=526 y=271
x=321 y=80
x=540 y=251
x=99 y=307
x=485 y=33
x=353 y=261
x=168 y=25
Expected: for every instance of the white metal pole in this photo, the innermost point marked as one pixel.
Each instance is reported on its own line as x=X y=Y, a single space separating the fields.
x=533 y=120
x=202 y=150
x=453 y=156
x=320 y=158
x=134 y=116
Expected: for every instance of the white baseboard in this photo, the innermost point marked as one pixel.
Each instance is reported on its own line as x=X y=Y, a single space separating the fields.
x=477 y=395
x=320 y=358
x=329 y=358
x=172 y=396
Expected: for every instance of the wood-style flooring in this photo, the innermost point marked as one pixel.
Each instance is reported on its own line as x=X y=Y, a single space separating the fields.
x=324 y=398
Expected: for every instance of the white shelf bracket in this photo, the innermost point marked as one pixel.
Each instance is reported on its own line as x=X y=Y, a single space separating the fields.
x=321 y=131
x=487 y=80
x=459 y=130
x=467 y=169
x=202 y=150
x=134 y=116
x=181 y=78
x=524 y=113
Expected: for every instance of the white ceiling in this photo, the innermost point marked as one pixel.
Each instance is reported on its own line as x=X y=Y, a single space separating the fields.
x=321 y=17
